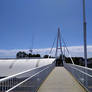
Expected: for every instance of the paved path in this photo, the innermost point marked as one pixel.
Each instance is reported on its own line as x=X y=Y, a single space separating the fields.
x=60 y=80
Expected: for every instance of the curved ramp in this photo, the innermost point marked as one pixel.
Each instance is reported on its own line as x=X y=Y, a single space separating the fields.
x=60 y=80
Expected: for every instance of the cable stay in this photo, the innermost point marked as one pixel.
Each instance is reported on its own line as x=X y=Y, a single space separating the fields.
x=67 y=50
x=52 y=46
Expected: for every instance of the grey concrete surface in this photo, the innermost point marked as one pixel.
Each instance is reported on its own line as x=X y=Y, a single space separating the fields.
x=60 y=80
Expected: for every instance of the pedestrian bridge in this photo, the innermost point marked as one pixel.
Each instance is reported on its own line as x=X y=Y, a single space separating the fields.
x=48 y=78
x=60 y=80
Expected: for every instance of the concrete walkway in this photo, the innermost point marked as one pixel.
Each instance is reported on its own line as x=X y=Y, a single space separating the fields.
x=60 y=80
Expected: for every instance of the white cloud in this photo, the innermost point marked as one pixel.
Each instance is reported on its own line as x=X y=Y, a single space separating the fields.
x=74 y=51
x=79 y=51
x=10 y=53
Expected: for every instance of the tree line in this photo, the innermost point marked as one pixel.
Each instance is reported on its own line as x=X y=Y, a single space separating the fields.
x=22 y=54
x=76 y=60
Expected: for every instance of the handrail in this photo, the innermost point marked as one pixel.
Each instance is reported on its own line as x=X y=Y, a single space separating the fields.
x=82 y=74
x=11 y=82
x=9 y=77
x=26 y=80
x=82 y=66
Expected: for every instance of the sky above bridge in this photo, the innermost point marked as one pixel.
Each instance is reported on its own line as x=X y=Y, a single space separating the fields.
x=26 y=24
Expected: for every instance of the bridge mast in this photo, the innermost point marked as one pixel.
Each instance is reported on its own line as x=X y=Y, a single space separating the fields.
x=59 y=42
x=85 y=38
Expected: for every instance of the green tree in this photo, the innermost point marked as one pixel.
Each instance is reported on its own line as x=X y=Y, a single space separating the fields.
x=45 y=56
x=21 y=55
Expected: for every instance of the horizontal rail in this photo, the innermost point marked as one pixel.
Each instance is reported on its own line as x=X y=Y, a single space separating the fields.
x=9 y=77
x=83 y=67
x=82 y=74
x=26 y=80
x=20 y=80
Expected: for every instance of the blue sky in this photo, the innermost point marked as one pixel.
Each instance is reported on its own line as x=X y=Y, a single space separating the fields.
x=24 y=20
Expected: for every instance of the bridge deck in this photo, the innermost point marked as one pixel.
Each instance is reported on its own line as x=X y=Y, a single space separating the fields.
x=60 y=80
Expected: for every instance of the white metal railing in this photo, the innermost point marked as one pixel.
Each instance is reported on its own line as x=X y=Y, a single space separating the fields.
x=29 y=80
x=82 y=74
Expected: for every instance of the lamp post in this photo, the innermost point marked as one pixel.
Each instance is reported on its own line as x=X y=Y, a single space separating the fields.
x=85 y=37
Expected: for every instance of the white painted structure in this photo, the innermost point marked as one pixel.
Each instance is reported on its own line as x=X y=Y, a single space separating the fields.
x=13 y=66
